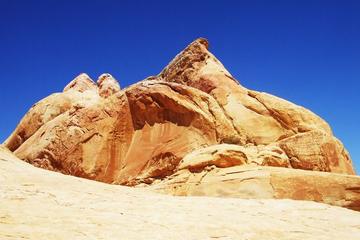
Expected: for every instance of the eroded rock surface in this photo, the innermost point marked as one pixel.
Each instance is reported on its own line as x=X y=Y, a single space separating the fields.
x=192 y=130
x=98 y=131
x=39 y=204
x=193 y=120
x=258 y=182
x=228 y=155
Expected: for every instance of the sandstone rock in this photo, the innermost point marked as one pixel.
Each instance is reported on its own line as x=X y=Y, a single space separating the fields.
x=316 y=150
x=39 y=204
x=79 y=93
x=81 y=83
x=217 y=155
x=39 y=114
x=107 y=85
x=141 y=133
x=228 y=155
x=156 y=123
x=258 y=118
x=258 y=182
x=197 y=67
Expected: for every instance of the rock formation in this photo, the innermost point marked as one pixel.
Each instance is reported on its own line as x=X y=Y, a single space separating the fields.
x=190 y=130
x=256 y=182
x=39 y=204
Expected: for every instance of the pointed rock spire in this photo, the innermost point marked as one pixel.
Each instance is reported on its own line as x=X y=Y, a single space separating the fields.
x=81 y=83
x=108 y=85
x=186 y=62
x=193 y=62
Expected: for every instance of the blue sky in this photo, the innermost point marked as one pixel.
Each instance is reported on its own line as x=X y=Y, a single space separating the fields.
x=305 y=51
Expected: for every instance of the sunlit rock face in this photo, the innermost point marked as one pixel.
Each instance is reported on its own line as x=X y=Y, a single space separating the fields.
x=193 y=116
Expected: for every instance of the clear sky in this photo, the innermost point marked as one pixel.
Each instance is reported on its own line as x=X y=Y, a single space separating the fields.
x=307 y=52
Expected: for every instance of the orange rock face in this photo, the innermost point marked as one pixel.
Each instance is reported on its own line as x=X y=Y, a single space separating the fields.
x=193 y=115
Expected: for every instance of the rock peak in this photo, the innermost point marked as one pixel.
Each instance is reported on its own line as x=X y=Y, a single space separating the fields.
x=196 y=47
x=191 y=64
x=108 y=85
x=104 y=77
x=81 y=83
x=188 y=62
x=202 y=41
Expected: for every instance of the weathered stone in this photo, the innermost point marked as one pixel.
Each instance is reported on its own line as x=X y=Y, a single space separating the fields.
x=107 y=85
x=228 y=155
x=143 y=132
x=39 y=204
x=81 y=83
x=192 y=130
x=316 y=150
x=257 y=182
